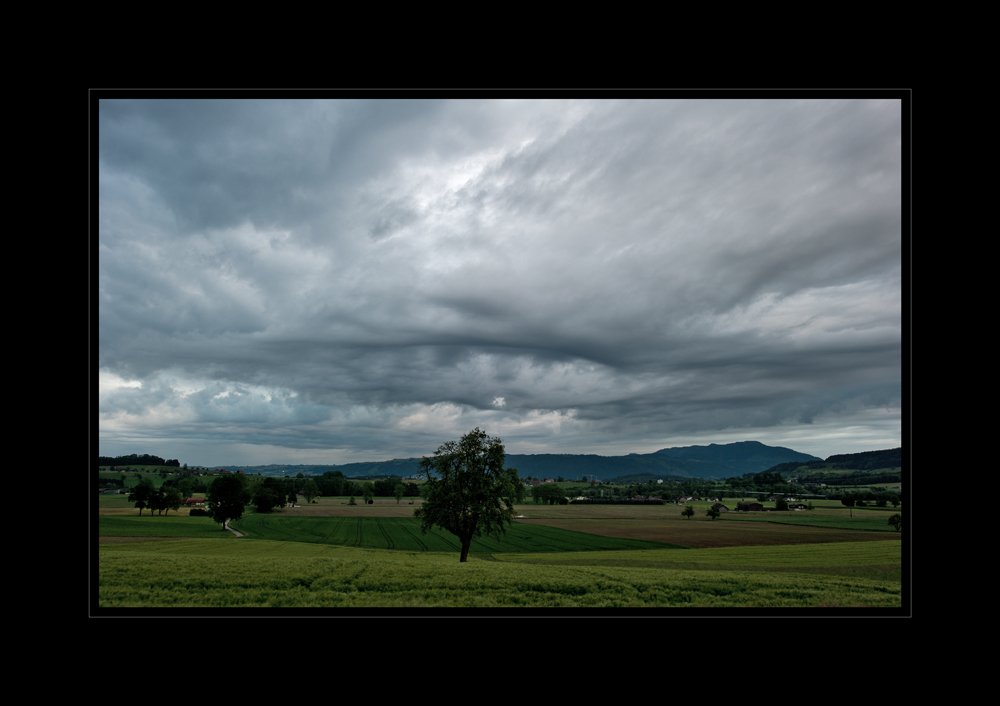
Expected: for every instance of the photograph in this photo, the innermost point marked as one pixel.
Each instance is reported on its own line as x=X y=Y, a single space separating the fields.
x=510 y=353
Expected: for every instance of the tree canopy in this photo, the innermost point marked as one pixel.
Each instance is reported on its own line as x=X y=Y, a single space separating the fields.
x=142 y=494
x=227 y=497
x=548 y=491
x=310 y=490
x=268 y=494
x=473 y=493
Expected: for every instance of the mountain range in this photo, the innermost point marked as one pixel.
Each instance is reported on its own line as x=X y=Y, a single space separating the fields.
x=712 y=461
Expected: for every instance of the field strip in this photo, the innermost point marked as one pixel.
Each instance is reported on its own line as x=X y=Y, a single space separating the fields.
x=794 y=556
x=705 y=534
x=388 y=540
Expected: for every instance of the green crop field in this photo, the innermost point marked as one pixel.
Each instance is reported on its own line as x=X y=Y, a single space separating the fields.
x=873 y=559
x=161 y=526
x=403 y=533
x=199 y=573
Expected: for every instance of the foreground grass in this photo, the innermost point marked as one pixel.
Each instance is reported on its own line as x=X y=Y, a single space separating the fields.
x=213 y=573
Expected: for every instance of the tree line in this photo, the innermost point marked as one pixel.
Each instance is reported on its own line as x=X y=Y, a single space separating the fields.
x=330 y=484
x=136 y=460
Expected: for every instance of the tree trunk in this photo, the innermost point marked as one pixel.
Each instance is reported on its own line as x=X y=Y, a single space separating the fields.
x=466 y=543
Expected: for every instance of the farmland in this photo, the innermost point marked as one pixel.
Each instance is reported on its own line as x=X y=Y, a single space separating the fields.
x=202 y=573
x=330 y=555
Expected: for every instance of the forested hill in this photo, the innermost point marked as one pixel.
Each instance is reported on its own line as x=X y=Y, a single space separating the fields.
x=864 y=461
x=534 y=465
x=869 y=460
x=741 y=457
x=605 y=467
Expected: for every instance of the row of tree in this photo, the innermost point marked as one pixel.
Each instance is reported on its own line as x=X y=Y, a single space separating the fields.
x=264 y=492
x=136 y=460
x=145 y=494
x=863 y=498
x=334 y=483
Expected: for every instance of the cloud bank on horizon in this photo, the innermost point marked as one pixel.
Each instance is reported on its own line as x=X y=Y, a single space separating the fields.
x=329 y=281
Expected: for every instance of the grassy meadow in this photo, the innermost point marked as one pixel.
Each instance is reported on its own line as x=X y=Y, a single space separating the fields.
x=330 y=555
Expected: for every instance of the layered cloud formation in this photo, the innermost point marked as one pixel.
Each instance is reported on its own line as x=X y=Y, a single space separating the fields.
x=326 y=281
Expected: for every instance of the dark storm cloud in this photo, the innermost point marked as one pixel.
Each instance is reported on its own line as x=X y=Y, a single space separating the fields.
x=366 y=275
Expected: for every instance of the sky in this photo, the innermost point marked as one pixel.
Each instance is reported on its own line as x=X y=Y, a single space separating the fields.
x=327 y=280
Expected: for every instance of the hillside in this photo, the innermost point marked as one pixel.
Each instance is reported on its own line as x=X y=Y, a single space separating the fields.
x=741 y=456
x=885 y=466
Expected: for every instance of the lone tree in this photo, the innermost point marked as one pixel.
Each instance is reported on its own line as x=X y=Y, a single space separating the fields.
x=897 y=522
x=473 y=494
x=310 y=489
x=226 y=498
x=688 y=512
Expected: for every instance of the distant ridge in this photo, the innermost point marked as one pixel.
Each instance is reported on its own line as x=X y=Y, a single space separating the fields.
x=712 y=461
x=742 y=456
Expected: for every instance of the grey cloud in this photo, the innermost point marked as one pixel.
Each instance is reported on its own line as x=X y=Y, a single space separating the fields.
x=637 y=268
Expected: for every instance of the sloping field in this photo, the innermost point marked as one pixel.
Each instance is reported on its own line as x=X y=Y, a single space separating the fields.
x=173 y=526
x=827 y=557
x=705 y=533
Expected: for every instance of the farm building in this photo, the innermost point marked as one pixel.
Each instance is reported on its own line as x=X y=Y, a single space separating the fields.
x=749 y=507
x=720 y=507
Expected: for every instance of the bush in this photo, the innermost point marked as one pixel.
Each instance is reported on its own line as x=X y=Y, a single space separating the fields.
x=199 y=512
